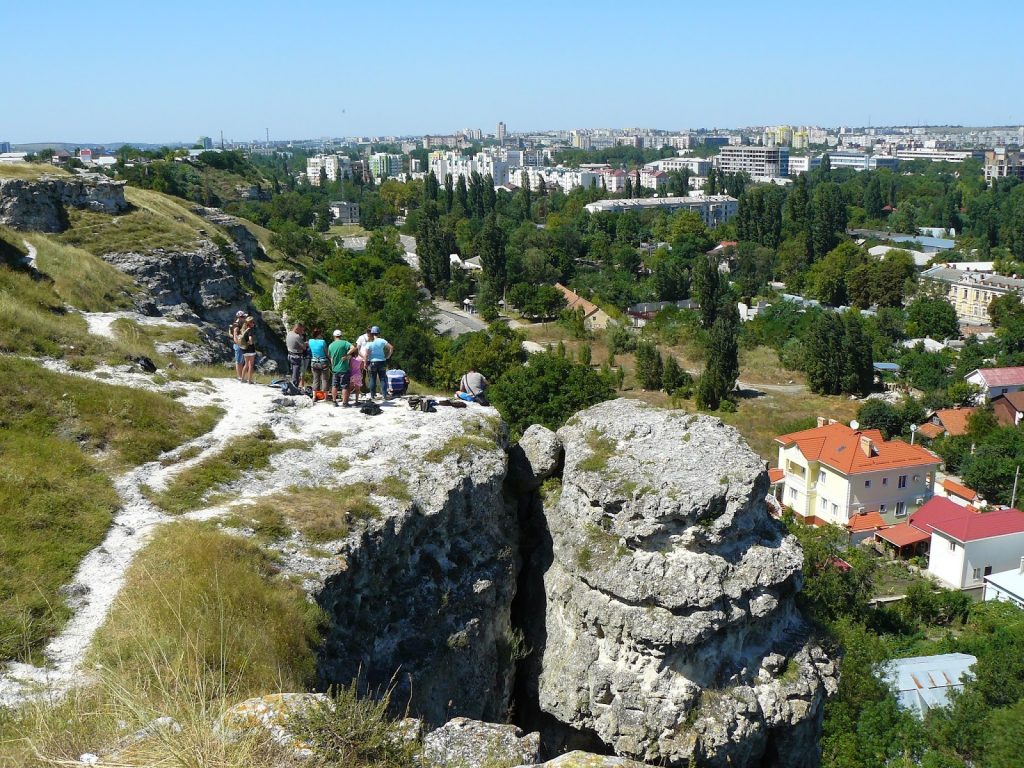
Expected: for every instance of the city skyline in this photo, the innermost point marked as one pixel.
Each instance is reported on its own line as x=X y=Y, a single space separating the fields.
x=439 y=70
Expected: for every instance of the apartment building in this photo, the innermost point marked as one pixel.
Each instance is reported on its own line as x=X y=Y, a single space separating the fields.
x=1001 y=163
x=651 y=178
x=803 y=164
x=385 y=166
x=834 y=471
x=971 y=292
x=334 y=167
x=771 y=162
x=484 y=163
x=940 y=155
x=860 y=161
x=695 y=166
x=713 y=209
x=566 y=179
x=344 y=212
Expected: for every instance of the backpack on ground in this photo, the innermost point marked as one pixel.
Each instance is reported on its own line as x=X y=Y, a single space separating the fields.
x=287 y=388
x=427 y=406
x=145 y=364
x=371 y=409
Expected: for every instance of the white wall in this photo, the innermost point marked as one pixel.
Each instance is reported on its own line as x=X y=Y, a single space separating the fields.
x=992 y=592
x=945 y=563
x=1001 y=553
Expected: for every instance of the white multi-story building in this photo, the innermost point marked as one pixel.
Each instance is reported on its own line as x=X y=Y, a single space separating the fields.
x=695 y=166
x=713 y=209
x=834 y=471
x=484 y=163
x=860 y=161
x=803 y=164
x=580 y=140
x=500 y=133
x=566 y=179
x=1003 y=162
x=334 y=167
x=385 y=166
x=940 y=155
x=652 y=178
x=771 y=162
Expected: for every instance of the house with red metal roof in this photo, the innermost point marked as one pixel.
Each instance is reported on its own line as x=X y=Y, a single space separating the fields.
x=1009 y=409
x=967 y=545
x=834 y=471
x=996 y=381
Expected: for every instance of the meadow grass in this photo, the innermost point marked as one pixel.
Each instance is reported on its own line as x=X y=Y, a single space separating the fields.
x=601 y=450
x=247 y=453
x=81 y=279
x=478 y=435
x=140 y=230
x=55 y=500
x=202 y=623
x=30 y=171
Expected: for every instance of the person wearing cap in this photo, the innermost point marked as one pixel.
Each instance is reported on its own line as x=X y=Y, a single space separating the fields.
x=234 y=330
x=341 y=352
x=377 y=352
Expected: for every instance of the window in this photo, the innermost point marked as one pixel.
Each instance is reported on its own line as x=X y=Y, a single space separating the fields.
x=885 y=481
x=988 y=570
x=901 y=508
x=821 y=475
x=823 y=504
x=867 y=483
x=792 y=494
x=882 y=508
x=976 y=574
x=835 y=510
x=902 y=482
x=952 y=545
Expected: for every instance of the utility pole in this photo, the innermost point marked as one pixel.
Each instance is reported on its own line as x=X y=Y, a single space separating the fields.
x=222 y=141
x=1016 y=477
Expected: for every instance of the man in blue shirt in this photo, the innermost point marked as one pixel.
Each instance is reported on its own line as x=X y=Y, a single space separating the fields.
x=377 y=351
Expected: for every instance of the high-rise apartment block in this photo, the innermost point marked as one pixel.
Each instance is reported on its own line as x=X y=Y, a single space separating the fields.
x=385 y=166
x=334 y=167
x=1001 y=163
x=500 y=133
x=771 y=162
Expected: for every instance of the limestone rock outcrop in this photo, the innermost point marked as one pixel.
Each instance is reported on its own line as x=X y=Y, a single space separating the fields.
x=423 y=606
x=243 y=239
x=670 y=627
x=465 y=743
x=40 y=205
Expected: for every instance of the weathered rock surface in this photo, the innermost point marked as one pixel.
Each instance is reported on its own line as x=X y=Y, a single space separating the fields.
x=39 y=205
x=670 y=629
x=578 y=759
x=535 y=458
x=240 y=235
x=424 y=605
x=465 y=743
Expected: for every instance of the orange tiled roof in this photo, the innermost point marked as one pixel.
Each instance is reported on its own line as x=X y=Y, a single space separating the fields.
x=866 y=521
x=776 y=474
x=959 y=490
x=839 y=447
x=574 y=301
x=954 y=419
x=929 y=430
x=903 y=535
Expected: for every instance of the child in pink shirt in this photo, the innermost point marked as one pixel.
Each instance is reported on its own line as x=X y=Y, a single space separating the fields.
x=355 y=377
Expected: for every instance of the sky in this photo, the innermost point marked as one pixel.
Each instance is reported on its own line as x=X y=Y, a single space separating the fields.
x=156 y=71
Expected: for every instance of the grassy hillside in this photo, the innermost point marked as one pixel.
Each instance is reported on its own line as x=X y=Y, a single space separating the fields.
x=29 y=170
x=60 y=439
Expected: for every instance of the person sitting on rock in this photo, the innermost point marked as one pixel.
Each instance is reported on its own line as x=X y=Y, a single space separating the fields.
x=472 y=387
x=397 y=383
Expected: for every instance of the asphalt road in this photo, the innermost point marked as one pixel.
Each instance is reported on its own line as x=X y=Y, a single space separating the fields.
x=455 y=321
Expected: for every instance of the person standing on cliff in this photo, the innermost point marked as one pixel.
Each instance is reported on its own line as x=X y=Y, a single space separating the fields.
x=295 y=341
x=234 y=331
x=247 y=341
x=377 y=352
x=341 y=352
x=320 y=362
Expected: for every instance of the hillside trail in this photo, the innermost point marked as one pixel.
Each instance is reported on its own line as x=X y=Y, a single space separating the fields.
x=100 y=575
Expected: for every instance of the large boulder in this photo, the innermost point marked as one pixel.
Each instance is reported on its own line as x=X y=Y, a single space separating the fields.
x=535 y=458
x=40 y=205
x=465 y=743
x=671 y=630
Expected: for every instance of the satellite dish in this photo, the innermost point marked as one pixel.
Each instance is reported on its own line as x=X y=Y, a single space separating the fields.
x=854 y=425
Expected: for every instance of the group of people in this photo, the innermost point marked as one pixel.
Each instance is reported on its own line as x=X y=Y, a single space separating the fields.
x=340 y=365
x=344 y=366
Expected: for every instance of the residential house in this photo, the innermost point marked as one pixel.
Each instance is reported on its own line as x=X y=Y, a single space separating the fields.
x=922 y=683
x=641 y=313
x=594 y=318
x=959 y=494
x=967 y=545
x=996 y=381
x=970 y=292
x=835 y=471
x=946 y=422
x=1009 y=408
x=345 y=212
x=1007 y=586
x=864 y=525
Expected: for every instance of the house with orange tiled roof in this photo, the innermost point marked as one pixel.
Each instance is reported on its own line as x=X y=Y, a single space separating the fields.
x=946 y=421
x=834 y=471
x=959 y=494
x=594 y=318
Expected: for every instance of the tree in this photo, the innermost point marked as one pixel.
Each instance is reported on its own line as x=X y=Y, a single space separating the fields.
x=880 y=415
x=827 y=215
x=795 y=211
x=759 y=218
x=629 y=187
x=722 y=366
x=934 y=318
x=873 y=202
x=648 y=366
x=673 y=376
x=547 y=392
x=837 y=357
x=708 y=288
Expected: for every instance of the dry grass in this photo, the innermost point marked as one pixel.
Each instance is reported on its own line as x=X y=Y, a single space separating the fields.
x=81 y=279
x=321 y=513
x=189 y=488
x=139 y=231
x=761 y=366
x=31 y=171
x=202 y=623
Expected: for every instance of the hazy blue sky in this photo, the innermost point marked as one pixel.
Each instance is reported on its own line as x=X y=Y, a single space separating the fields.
x=156 y=71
